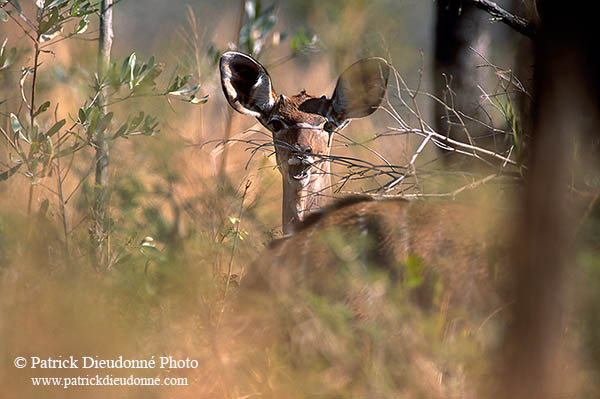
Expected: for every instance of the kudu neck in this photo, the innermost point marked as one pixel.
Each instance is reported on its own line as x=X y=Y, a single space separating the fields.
x=300 y=202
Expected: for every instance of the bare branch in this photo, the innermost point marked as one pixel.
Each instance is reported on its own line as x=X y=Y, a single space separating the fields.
x=516 y=22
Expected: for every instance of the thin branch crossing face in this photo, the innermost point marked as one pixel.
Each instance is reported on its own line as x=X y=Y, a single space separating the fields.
x=303 y=125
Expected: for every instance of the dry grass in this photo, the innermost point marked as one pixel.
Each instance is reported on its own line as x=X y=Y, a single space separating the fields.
x=173 y=301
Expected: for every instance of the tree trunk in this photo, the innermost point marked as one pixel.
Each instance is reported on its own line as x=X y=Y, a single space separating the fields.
x=230 y=112
x=460 y=27
x=101 y=192
x=566 y=83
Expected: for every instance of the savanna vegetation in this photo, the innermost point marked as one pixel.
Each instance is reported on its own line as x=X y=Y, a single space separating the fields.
x=137 y=208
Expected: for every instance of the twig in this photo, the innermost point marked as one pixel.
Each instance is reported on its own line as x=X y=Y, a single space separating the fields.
x=491 y=315
x=235 y=239
x=36 y=56
x=15 y=20
x=61 y=199
x=588 y=211
x=473 y=185
x=516 y=22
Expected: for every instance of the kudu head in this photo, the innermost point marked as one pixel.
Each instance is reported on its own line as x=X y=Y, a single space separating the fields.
x=303 y=125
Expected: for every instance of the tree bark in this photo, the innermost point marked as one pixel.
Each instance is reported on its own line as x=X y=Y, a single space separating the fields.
x=566 y=88
x=522 y=25
x=101 y=192
x=230 y=112
x=460 y=27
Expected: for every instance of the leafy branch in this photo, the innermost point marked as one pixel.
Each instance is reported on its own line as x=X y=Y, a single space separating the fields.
x=38 y=140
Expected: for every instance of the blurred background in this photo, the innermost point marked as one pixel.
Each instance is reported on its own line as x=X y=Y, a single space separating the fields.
x=147 y=261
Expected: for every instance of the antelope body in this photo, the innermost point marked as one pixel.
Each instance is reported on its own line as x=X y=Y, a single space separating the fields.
x=448 y=237
x=445 y=255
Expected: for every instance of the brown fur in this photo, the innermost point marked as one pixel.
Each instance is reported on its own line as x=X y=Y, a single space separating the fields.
x=292 y=110
x=358 y=254
x=303 y=125
x=453 y=241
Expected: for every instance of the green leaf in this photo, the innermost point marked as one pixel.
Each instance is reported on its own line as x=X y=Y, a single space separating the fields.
x=150 y=125
x=122 y=130
x=93 y=116
x=148 y=70
x=3 y=47
x=8 y=173
x=6 y=58
x=34 y=148
x=15 y=124
x=132 y=59
x=104 y=122
x=414 y=272
x=55 y=3
x=24 y=137
x=78 y=137
x=186 y=90
x=42 y=108
x=178 y=83
x=125 y=67
x=75 y=8
x=152 y=253
x=51 y=23
x=82 y=116
x=68 y=151
x=48 y=147
x=302 y=40
x=135 y=122
x=87 y=9
x=6 y=61
x=201 y=100
x=56 y=127
x=83 y=25
x=3 y=15
x=34 y=134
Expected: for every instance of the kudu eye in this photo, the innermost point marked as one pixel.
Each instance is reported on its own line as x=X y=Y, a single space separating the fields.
x=275 y=125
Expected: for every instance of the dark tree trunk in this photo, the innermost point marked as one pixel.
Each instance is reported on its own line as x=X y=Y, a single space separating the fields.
x=565 y=112
x=460 y=27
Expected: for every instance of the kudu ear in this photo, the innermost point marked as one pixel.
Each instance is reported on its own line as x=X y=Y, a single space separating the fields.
x=360 y=89
x=246 y=84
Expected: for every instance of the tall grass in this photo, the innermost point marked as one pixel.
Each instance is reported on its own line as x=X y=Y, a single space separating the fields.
x=358 y=334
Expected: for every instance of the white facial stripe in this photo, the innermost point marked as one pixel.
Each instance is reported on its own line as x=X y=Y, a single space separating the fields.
x=299 y=125
x=304 y=125
x=304 y=160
